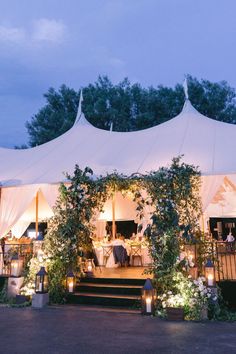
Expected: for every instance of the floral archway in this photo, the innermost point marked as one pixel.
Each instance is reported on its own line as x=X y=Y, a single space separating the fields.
x=173 y=193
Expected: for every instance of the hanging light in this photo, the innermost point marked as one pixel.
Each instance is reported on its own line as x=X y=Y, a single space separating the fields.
x=16 y=266
x=70 y=282
x=148 y=298
x=41 y=281
x=210 y=273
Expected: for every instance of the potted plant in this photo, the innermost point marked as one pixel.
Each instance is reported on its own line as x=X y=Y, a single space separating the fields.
x=173 y=305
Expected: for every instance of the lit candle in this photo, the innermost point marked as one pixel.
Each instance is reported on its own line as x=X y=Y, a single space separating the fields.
x=190 y=257
x=148 y=305
x=14 y=269
x=210 y=279
x=90 y=268
x=71 y=287
x=40 y=286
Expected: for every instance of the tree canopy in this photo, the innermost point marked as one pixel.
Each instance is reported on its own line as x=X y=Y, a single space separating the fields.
x=128 y=106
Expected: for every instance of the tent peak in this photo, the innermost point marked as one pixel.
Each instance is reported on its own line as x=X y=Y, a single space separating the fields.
x=185 y=87
x=79 y=112
x=188 y=107
x=80 y=117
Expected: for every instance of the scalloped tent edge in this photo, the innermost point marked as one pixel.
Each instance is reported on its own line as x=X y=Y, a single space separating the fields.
x=204 y=142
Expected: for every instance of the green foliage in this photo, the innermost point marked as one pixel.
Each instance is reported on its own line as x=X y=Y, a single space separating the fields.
x=70 y=228
x=128 y=107
x=174 y=192
x=56 y=117
x=57 y=271
x=33 y=266
x=3 y=293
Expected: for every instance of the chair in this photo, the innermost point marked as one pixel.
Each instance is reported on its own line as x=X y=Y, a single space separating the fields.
x=107 y=250
x=95 y=260
x=120 y=255
x=136 y=253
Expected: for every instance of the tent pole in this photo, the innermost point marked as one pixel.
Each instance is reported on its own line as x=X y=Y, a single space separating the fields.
x=113 y=217
x=37 y=214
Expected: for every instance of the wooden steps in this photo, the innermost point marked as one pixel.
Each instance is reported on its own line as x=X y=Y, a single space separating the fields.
x=108 y=292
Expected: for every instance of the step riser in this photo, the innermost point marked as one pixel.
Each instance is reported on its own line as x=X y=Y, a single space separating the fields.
x=107 y=302
x=111 y=281
x=108 y=290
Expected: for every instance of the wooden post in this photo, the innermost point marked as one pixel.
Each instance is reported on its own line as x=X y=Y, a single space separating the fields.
x=113 y=216
x=37 y=214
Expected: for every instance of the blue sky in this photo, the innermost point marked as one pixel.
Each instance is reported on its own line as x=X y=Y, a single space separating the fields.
x=45 y=43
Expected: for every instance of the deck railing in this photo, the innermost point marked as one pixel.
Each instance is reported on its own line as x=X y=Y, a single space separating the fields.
x=221 y=253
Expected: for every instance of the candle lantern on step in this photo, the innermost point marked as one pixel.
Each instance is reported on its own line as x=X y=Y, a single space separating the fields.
x=148 y=298
x=41 y=281
x=210 y=273
x=70 y=282
x=16 y=266
x=89 y=268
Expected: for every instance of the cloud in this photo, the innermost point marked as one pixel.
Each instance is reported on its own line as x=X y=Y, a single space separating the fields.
x=48 y=30
x=12 y=34
x=39 y=32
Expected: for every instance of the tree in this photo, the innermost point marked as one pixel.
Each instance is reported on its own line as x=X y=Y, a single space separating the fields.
x=55 y=118
x=128 y=107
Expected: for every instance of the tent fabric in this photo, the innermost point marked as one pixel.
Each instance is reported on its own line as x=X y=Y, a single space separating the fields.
x=10 y=207
x=44 y=212
x=18 y=205
x=209 y=188
x=204 y=142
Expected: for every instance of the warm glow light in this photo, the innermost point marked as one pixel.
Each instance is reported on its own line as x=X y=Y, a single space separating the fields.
x=210 y=279
x=190 y=257
x=148 y=304
x=90 y=268
x=71 y=285
x=40 y=286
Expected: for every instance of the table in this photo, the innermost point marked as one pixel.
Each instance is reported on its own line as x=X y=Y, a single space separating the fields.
x=110 y=263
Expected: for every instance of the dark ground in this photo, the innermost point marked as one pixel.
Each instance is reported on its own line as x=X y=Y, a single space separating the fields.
x=77 y=330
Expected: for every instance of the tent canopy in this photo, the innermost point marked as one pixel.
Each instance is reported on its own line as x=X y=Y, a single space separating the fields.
x=204 y=142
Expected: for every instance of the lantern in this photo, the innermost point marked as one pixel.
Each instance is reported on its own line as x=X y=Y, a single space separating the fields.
x=190 y=253
x=210 y=273
x=41 y=281
x=148 y=298
x=16 y=266
x=70 y=282
x=89 y=268
x=38 y=244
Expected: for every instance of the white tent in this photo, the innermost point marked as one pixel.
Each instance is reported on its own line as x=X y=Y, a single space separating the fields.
x=204 y=142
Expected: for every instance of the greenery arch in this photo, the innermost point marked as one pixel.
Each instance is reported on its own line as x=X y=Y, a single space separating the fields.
x=173 y=192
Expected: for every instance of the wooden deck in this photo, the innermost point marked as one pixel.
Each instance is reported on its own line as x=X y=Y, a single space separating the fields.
x=122 y=272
